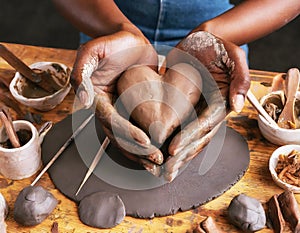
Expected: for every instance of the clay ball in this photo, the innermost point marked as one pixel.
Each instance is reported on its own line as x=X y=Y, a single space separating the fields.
x=101 y=210
x=247 y=213
x=33 y=205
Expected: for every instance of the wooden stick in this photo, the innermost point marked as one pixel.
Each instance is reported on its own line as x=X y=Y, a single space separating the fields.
x=252 y=99
x=9 y=127
x=43 y=79
x=94 y=163
x=65 y=145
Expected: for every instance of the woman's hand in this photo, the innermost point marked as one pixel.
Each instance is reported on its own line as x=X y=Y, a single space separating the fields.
x=226 y=91
x=98 y=65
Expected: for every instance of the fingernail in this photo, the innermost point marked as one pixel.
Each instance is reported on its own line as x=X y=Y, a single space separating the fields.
x=238 y=103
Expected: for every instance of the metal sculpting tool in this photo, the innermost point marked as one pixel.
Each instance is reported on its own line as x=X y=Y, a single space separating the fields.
x=64 y=146
x=94 y=163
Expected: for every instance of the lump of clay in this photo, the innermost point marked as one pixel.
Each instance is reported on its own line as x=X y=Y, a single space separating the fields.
x=275 y=215
x=290 y=209
x=247 y=213
x=102 y=210
x=33 y=205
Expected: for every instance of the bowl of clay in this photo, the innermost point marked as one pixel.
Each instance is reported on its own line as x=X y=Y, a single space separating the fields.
x=31 y=95
x=273 y=102
x=286 y=178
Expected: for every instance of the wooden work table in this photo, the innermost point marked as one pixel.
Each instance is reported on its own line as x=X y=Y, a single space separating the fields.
x=257 y=181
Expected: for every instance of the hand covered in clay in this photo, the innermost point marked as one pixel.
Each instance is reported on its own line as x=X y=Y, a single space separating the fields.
x=95 y=73
x=225 y=91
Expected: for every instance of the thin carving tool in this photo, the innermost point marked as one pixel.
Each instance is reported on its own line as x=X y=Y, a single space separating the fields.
x=64 y=146
x=94 y=163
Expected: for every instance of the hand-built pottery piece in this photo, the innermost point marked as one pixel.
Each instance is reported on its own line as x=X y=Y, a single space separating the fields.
x=102 y=210
x=247 y=213
x=164 y=102
x=217 y=168
x=22 y=162
x=33 y=205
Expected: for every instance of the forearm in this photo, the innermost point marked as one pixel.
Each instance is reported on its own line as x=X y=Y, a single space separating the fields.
x=252 y=19
x=94 y=17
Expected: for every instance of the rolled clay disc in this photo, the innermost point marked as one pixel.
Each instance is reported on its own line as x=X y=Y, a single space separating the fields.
x=102 y=210
x=217 y=168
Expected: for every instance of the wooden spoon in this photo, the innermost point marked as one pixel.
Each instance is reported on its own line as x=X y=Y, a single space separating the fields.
x=42 y=79
x=287 y=117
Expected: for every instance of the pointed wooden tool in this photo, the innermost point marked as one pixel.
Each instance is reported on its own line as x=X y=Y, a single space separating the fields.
x=9 y=127
x=94 y=163
x=61 y=150
x=287 y=116
x=42 y=79
x=253 y=100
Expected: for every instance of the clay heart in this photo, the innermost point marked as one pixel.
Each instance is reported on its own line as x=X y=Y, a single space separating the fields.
x=159 y=104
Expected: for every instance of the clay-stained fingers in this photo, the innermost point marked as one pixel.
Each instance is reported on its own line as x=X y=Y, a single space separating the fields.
x=87 y=61
x=153 y=168
x=149 y=165
x=211 y=116
x=239 y=75
x=152 y=154
x=174 y=163
x=111 y=119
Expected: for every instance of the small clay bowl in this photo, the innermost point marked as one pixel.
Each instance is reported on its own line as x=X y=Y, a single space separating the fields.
x=277 y=135
x=35 y=97
x=285 y=150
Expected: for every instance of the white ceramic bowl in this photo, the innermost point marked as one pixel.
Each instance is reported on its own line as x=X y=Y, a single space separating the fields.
x=286 y=149
x=277 y=135
x=44 y=103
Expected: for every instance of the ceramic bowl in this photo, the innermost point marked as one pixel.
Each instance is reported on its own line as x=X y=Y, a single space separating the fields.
x=277 y=135
x=285 y=150
x=42 y=101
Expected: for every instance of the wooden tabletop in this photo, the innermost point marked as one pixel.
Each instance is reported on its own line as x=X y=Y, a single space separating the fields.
x=257 y=181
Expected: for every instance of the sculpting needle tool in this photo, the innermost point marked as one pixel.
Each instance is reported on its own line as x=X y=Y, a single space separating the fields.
x=94 y=163
x=65 y=145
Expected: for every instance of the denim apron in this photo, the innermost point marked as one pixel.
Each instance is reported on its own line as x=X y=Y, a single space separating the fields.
x=166 y=22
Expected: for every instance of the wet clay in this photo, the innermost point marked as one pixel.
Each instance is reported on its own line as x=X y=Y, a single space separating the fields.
x=33 y=205
x=275 y=215
x=159 y=104
x=191 y=188
x=290 y=209
x=102 y=210
x=24 y=136
x=247 y=213
x=31 y=90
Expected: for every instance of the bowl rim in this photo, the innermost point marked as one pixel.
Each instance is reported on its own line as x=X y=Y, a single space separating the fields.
x=265 y=122
x=273 y=160
x=17 y=76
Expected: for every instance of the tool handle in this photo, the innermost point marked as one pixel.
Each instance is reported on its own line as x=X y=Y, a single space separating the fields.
x=19 y=65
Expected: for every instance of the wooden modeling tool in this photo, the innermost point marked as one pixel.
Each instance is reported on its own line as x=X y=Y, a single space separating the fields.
x=287 y=117
x=65 y=145
x=252 y=99
x=94 y=163
x=42 y=79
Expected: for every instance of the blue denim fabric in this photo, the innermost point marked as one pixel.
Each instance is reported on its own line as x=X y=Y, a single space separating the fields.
x=166 y=22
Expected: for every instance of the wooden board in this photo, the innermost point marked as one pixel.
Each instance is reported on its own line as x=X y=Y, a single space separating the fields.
x=257 y=181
